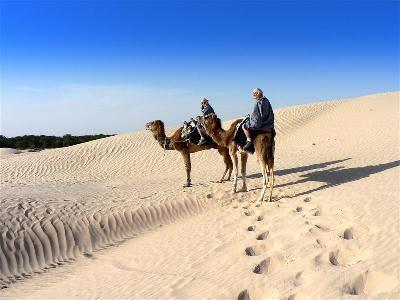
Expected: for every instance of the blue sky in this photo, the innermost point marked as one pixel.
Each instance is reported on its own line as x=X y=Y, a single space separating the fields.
x=85 y=67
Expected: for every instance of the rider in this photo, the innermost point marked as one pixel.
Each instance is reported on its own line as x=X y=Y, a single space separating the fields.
x=206 y=109
x=261 y=119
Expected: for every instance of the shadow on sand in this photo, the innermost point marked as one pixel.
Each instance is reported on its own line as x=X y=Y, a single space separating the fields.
x=331 y=177
x=300 y=169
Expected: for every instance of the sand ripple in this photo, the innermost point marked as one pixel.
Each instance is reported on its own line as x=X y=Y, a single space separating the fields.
x=29 y=245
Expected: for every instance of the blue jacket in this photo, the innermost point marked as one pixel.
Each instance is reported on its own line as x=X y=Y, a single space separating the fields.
x=262 y=116
x=206 y=110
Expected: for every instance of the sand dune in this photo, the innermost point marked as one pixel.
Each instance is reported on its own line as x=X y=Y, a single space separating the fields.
x=333 y=231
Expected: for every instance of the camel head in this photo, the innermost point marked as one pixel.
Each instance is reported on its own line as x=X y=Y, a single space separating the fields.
x=156 y=127
x=212 y=123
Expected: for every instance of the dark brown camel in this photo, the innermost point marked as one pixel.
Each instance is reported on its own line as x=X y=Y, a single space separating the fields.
x=175 y=142
x=264 y=147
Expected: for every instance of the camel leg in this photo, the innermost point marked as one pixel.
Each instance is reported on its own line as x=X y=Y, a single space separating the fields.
x=263 y=168
x=233 y=152
x=230 y=166
x=223 y=175
x=229 y=174
x=227 y=161
x=243 y=161
x=188 y=166
x=271 y=187
x=262 y=160
x=271 y=178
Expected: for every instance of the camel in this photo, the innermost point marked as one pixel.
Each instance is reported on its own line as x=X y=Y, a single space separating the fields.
x=175 y=142
x=264 y=146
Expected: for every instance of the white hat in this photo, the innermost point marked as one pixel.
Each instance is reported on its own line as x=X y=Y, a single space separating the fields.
x=258 y=90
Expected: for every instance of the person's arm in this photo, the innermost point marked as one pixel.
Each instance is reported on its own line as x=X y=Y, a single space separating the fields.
x=256 y=116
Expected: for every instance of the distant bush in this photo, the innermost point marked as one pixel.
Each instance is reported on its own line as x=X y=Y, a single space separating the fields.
x=45 y=141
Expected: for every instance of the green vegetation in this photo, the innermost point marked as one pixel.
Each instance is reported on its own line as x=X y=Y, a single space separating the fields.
x=45 y=141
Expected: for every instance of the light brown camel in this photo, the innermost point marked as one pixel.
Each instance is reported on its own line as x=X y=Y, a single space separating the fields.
x=175 y=142
x=264 y=145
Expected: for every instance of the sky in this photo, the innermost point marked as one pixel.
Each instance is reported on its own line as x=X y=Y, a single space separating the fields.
x=89 y=67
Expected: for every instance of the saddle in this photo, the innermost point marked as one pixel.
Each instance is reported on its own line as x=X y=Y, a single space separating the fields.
x=240 y=138
x=190 y=133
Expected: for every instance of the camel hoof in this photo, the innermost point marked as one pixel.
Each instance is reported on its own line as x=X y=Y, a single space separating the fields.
x=233 y=191
x=187 y=185
x=243 y=189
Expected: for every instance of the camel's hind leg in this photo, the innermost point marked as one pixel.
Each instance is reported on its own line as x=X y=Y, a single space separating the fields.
x=233 y=152
x=261 y=152
x=243 y=161
x=270 y=163
x=263 y=167
x=271 y=178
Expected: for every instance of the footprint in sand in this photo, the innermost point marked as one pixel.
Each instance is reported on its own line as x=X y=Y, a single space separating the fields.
x=299 y=209
x=244 y=295
x=303 y=277
x=330 y=223
x=249 y=213
x=263 y=235
x=268 y=265
x=317 y=212
x=342 y=256
x=327 y=240
x=251 y=228
x=348 y=257
x=260 y=292
x=255 y=250
x=371 y=283
x=354 y=232
x=260 y=218
x=348 y=234
x=308 y=199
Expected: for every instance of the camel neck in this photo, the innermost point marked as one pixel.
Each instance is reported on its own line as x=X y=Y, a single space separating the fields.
x=218 y=136
x=163 y=141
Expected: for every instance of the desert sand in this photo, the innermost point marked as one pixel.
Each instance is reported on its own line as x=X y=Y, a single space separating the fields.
x=109 y=218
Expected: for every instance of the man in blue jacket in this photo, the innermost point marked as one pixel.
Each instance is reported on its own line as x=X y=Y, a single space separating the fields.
x=206 y=109
x=261 y=119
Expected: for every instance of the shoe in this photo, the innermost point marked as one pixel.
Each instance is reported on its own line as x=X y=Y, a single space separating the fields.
x=201 y=142
x=248 y=145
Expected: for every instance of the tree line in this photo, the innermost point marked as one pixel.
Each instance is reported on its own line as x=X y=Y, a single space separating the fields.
x=45 y=141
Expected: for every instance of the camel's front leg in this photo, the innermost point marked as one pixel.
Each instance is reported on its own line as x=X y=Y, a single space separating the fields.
x=243 y=161
x=233 y=152
x=188 y=166
x=227 y=161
